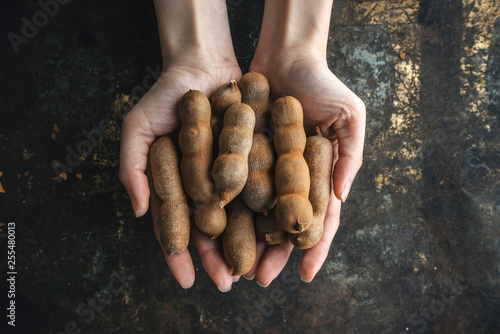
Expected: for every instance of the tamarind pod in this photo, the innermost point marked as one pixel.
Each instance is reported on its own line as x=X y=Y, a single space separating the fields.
x=293 y=209
x=224 y=97
x=255 y=91
x=230 y=169
x=259 y=192
x=268 y=229
x=174 y=211
x=319 y=157
x=238 y=240
x=195 y=141
x=209 y=218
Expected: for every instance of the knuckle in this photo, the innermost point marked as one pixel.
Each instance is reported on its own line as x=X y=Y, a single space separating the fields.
x=355 y=162
x=360 y=163
x=354 y=108
x=122 y=175
x=127 y=120
x=361 y=107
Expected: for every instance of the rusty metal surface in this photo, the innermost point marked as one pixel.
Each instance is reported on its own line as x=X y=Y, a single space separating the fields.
x=419 y=242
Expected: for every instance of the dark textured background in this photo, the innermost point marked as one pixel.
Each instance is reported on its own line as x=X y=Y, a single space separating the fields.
x=419 y=241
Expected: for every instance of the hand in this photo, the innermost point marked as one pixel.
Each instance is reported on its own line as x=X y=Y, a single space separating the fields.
x=156 y=115
x=291 y=53
x=197 y=54
x=327 y=102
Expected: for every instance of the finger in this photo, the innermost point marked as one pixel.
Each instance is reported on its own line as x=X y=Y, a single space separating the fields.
x=181 y=265
x=350 y=130
x=312 y=259
x=135 y=142
x=261 y=247
x=273 y=261
x=213 y=260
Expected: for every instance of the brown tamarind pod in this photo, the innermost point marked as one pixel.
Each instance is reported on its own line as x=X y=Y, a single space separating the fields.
x=224 y=97
x=209 y=218
x=255 y=90
x=195 y=141
x=293 y=209
x=239 y=240
x=230 y=169
x=174 y=211
x=260 y=190
x=268 y=229
x=319 y=157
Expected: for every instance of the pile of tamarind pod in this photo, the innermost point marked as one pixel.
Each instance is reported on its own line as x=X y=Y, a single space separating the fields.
x=273 y=181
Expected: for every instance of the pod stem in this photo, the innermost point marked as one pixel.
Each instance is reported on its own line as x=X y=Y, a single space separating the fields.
x=222 y=202
x=233 y=84
x=298 y=226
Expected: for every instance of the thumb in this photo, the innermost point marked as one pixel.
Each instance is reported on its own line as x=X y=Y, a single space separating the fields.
x=136 y=139
x=350 y=130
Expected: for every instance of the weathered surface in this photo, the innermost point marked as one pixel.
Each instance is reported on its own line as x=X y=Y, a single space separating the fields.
x=418 y=246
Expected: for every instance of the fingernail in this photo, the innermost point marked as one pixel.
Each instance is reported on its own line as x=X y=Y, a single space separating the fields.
x=249 y=278
x=134 y=206
x=187 y=287
x=305 y=281
x=236 y=279
x=263 y=286
x=345 y=193
x=224 y=290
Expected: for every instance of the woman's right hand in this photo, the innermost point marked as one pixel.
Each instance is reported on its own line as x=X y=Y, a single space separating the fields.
x=156 y=115
x=197 y=54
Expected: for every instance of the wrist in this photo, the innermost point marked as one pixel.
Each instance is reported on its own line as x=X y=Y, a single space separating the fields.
x=292 y=28
x=199 y=58
x=281 y=59
x=194 y=29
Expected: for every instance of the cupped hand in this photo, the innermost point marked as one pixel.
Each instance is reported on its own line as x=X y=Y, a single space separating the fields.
x=156 y=115
x=341 y=116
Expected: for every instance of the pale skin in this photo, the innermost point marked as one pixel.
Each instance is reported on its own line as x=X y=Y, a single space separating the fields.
x=198 y=54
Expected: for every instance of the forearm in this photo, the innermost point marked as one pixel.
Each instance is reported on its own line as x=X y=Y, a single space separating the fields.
x=300 y=25
x=194 y=26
